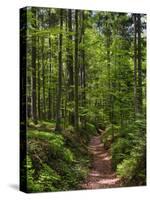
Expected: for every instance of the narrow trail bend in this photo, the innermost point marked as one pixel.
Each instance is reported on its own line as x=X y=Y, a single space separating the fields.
x=101 y=174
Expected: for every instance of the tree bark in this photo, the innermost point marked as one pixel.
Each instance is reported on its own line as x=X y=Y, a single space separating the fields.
x=43 y=79
x=83 y=76
x=135 y=64
x=139 y=65
x=39 y=82
x=34 y=107
x=83 y=60
x=50 y=73
x=70 y=66
x=76 y=73
x=59 y=89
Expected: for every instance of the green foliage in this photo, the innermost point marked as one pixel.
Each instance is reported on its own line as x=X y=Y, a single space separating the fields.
x=68 y=155
x=129 y=154
x=132 y=170
x=53 y=164
x=128 y=150
x=46 y=180
x=90 y=128
x=127 y=168
x=110 y=133
x=30 y=173
x=119 y=151
x=96 y=89
x=58 y=139
x=55 y=144
x=42 y=125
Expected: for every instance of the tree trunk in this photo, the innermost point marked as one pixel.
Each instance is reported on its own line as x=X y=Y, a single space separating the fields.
x=39 y=82
x=34 y=111
x=139 y=65
x=83 y=77
x=135 y=65
x=59 y=89
x=43 y=79
x=76 y=73
x=70 y=66
x=50 y=73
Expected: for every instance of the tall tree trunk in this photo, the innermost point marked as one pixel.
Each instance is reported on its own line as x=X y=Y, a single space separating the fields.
x=139 y=64
x=49 y=83
x=39 y=82
x=135 y=65
x=70 y=65
x=109 y=78
x=59 y=90
x=34 y=110
x=108 y=72
x=43 y=79
x=50 y=73
x=83 y=78
x=82 y=54
x=83 y=59
x=76 y=73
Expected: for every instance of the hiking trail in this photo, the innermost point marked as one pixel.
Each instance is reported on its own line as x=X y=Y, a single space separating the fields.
x=101 y=174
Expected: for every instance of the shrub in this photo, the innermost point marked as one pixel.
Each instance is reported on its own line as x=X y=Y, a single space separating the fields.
x=51 y=165
x=132 y=170
x=90 y=128
x=46 y=180
x=119 y=150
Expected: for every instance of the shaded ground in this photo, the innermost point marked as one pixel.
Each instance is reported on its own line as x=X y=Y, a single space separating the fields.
x=101 y=174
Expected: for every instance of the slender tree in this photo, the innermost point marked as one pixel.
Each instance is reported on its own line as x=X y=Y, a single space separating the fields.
x=70 y=65
x=135 y=64
x=50 y=73
x=139 y=64
x=76 y=73
x=59 y=89
x=34 y=108
x=39 y=82
x=82 y=66
x=43 y=77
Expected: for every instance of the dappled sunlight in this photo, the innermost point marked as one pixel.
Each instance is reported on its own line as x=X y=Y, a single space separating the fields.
x=109 y=181
x=101 y=174
x=83 y=99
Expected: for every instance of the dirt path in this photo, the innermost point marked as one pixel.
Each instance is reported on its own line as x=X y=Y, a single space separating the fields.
x=101 y=174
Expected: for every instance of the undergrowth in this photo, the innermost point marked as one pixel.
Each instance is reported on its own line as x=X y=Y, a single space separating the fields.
x=55 y=162
x=128 y=151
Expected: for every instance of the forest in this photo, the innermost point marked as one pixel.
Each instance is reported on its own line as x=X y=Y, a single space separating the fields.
x=85 y=99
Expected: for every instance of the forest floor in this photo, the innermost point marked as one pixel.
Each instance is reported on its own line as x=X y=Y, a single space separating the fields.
x=101 y=174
